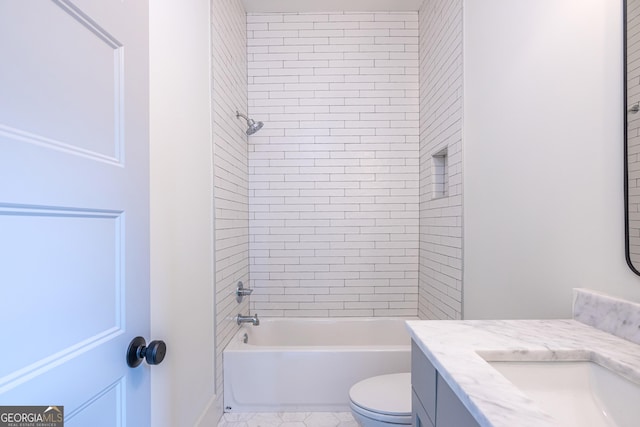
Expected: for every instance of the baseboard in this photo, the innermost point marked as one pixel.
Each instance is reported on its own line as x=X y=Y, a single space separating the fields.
x=212 y=413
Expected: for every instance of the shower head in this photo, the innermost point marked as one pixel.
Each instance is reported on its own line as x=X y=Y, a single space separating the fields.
x=252 y=125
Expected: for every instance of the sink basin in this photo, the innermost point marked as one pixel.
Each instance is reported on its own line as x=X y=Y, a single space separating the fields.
x=577 y=393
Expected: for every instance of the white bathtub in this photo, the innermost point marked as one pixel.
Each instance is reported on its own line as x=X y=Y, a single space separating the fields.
x=299 y=364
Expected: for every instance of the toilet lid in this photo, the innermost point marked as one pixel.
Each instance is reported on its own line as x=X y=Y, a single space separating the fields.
x=385 y=394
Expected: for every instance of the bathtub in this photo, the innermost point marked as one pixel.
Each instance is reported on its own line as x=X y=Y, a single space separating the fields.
x=309 y=365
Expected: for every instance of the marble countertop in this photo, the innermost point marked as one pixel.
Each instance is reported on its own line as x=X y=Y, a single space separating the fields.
x=459 y=349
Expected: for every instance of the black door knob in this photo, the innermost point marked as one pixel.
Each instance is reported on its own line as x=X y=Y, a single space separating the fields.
x=139 y=351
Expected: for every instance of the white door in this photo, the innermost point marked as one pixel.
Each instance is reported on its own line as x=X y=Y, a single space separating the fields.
x=74 y=210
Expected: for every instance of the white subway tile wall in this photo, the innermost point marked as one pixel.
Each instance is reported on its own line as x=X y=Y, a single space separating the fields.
x=441 y=80
x=633 y=133
x=231 y=198
x=333 y=175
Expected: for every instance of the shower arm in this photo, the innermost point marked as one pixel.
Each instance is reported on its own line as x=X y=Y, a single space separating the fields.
x=238 y=114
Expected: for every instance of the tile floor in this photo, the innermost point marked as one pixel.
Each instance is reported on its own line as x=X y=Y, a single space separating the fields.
x=289 y=419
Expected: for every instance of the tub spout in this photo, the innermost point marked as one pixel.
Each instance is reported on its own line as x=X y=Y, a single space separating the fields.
x=248 y=319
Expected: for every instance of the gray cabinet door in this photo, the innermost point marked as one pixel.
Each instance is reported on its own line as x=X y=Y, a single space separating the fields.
x=423 y=380
x=420 y=417
x=450 y=412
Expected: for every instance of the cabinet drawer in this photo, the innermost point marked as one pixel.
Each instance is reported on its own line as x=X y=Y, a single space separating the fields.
x=423 y=380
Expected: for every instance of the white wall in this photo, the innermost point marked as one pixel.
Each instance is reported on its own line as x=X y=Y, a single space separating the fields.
x=181 y=213
x=543 y=206
x=334 y=172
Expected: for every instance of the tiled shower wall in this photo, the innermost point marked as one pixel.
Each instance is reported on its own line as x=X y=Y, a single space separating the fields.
x=229 y=69
x=633 y=129
x=441 y=81
x=333 y=189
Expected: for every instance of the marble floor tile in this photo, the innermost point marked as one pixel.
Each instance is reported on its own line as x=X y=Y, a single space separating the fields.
x=288 y=419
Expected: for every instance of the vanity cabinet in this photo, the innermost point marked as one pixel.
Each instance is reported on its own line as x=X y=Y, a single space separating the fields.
x=434 y=404
x=424 y=379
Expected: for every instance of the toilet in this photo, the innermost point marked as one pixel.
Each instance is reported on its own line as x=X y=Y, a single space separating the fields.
x=382 y=401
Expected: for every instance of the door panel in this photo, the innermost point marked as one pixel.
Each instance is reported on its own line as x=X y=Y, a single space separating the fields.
x=56 y=254
x=104 y=410
x=69 y=64
x=74 y=207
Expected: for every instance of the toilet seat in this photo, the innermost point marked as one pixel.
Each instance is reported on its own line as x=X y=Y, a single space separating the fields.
x=385 y=398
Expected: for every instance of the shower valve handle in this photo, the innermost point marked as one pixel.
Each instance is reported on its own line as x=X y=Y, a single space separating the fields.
x=241 y=292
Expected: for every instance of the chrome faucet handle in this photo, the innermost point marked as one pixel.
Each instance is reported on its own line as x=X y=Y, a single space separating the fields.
x=241 y=292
